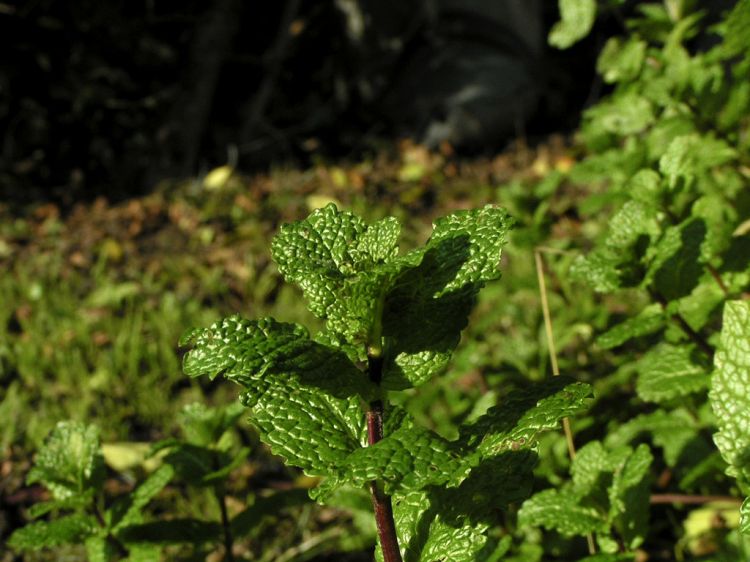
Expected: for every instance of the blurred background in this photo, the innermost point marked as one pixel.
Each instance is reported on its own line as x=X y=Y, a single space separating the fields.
x=110 y=98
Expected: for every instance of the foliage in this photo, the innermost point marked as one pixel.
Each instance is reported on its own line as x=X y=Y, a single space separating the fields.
x=71 y=466
x=401 y=315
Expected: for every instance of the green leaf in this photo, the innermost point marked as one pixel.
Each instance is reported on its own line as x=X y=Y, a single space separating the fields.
x=310 y=429
x=70 y=461
x=598 y=270
x=730 y=389
x=342 y=265
x=576 y=20
x=247 y=351
x=675 y=431
x=526 y=413
x=621 y=63
x=205 y=426
x=676 y=265
x=633 y=221
x=427 y=308
x=627 y=114
x=629 y=497
x=423 y=535
x=669 y=371
x=745 y=517
x=99 y=549
x=69 y=529
x=412 y=458
x=562 y=512
x=689 y=156
x=129 y=511
x=649 y=320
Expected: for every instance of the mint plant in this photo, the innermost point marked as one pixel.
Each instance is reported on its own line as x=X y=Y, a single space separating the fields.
x=71 y=466
x=667 y=157
x=392 y=321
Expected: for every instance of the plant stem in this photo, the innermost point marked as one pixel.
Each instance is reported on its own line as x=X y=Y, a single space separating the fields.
x=225 y=525
x=381 y=502
x=692 y=499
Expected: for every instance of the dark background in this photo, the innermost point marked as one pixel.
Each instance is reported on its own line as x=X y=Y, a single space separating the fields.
x=109 y=98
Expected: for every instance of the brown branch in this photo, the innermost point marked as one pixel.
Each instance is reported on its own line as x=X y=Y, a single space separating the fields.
x=692 y=499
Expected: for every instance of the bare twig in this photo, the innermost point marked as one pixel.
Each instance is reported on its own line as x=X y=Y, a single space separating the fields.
x=692 y=499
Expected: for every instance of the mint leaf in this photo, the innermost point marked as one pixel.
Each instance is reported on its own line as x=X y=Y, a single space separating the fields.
x=69 y=529
x=99 y=549
x=205 y=426
x=342 y=265
x=618 y=62
x=598 y=270
x=669 y=371
x=310 y=429
x=674 y=431
x=561 y=511
x=576 y=19
x=423 y=535
x=689 y=156
x=730 y=390
x=129 y=511
x=676 y=262
x=70 y=461
x=629 y=495
x=428 y=307
x=246 y=351
x=413 y=458
x=745 y=517
x=524 y=414
x=632 y=221
x=627 y=114
x=647 y=321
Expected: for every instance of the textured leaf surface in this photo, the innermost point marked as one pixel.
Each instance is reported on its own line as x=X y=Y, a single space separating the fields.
x=519 y=419
x=647 y=321
x=308 y=428
x=668 y=371
x=246 y=351
x=730 y=389
x=450 y=523
x=69 y=529
x=428 y=306
x=576 y=19
x=413 y=458
x=70 y=461
x=561 y=511
x=343 y=266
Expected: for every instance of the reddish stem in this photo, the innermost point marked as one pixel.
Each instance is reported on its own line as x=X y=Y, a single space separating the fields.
x=381 y=502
